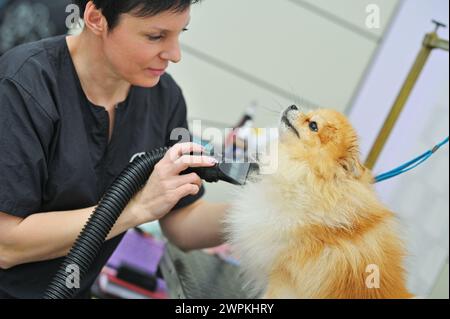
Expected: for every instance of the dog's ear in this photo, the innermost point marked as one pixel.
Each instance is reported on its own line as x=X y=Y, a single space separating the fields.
x=326 y=133
x=352 y=165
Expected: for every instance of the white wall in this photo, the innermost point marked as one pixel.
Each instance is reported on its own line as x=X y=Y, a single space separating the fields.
x=271 y=51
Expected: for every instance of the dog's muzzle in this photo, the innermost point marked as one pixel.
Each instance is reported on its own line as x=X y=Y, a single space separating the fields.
x=286 y=119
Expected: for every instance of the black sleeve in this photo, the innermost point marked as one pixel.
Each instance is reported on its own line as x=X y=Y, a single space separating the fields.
x=178 y=120
x=25 y=133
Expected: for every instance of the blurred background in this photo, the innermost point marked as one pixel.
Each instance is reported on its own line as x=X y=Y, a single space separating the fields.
x=351 y=55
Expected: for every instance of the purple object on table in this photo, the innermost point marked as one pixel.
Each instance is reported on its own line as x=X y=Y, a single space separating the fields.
x=140 y=251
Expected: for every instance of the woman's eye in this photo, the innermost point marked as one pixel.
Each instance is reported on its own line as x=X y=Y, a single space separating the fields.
x=313 y=126
x=154 y=37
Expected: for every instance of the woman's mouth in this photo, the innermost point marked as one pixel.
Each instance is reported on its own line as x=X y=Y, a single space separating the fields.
x=156 y=72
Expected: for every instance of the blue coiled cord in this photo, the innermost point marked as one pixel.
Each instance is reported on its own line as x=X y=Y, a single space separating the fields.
x=411 y=164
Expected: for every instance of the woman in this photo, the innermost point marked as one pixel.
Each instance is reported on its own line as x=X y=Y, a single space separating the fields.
x=73 y=111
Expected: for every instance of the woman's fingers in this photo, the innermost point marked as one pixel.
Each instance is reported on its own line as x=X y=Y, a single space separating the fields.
x=181 y=180
x=174 y=153
x=186 y=161
x=186 y=190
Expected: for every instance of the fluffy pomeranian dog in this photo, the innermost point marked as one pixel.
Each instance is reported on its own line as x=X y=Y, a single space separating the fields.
x=315 y=228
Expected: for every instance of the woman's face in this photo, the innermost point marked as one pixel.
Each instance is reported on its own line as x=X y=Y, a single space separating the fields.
x=139 y=49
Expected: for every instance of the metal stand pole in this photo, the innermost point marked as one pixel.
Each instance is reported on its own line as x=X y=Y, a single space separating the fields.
x=431 y=42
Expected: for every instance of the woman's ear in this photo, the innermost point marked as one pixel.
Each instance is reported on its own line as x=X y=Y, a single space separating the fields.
x=94 y=19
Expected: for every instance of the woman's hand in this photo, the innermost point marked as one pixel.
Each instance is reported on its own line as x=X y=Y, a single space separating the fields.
x=165 y=187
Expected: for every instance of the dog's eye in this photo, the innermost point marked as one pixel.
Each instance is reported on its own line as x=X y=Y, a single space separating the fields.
x=313 y=126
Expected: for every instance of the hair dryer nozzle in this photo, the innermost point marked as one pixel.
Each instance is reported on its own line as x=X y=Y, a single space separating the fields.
x=233 y=173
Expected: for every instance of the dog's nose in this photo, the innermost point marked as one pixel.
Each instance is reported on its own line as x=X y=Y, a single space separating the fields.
x=290 y=108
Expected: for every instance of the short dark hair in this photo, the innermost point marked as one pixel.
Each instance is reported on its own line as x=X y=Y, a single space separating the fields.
x=112 y=9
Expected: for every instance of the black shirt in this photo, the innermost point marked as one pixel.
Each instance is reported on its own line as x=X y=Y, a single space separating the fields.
x=54 y=150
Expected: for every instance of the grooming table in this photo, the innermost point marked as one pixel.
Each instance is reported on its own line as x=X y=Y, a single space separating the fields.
x=198 y=275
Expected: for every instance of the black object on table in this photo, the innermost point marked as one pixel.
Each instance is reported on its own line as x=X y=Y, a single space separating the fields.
x=198 y=275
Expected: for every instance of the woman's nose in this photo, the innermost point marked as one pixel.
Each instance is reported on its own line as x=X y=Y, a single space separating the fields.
x=172 y=53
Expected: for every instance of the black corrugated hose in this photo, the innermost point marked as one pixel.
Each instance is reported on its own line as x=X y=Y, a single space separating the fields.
x=91 y=239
